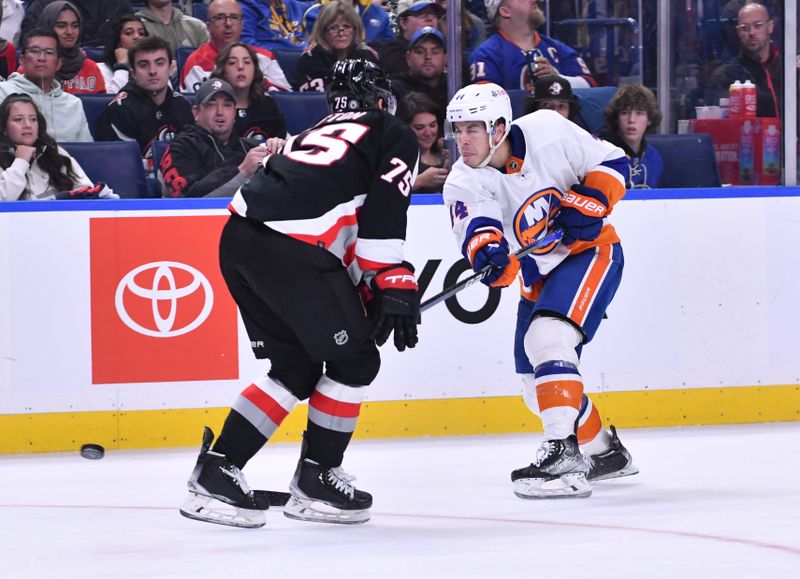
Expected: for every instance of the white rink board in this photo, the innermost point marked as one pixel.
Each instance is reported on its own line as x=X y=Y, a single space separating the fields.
x=707 y=300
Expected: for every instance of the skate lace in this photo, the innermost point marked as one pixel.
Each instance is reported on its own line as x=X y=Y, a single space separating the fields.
x=237 y=476
x=546 y=450
x=341 y=481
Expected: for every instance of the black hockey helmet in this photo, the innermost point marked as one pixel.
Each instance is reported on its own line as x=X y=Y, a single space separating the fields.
x=358 y=84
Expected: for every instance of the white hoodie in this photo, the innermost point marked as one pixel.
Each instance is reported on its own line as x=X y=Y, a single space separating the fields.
x=22 y=176
x=63 y=112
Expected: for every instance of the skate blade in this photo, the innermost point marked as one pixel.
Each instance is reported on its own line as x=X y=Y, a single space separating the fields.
x=301 y=509
x=567 y=486
x=211 y=510
x=629 y=470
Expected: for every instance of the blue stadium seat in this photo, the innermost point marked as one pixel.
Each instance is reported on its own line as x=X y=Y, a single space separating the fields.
x=200 y=11
x=94 y=53
x=288 y=61
x=593 y=104
x=301 y=109
x=93 y=107
x=116 y=163
x=158 y=148
x=689 y=160
x=517 y=96
x=181 y=54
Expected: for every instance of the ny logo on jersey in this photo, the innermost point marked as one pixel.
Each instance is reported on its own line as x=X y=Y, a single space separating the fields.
x=534 y=214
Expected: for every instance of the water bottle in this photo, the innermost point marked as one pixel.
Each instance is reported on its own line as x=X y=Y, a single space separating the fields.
x=749 y=100
x=746 y=155
x=735 y=103
x=772 y=151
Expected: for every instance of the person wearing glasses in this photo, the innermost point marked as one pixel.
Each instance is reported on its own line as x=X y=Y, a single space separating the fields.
x=162 y=19
x=337 y=35
x=225 y=28
x=62 y=111
x=377 y=27
x=758 y=61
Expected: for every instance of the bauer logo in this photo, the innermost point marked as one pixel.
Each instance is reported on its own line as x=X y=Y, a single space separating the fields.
x=160 y=308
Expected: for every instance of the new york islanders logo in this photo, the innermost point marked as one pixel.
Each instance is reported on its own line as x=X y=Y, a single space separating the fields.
x=532 y=218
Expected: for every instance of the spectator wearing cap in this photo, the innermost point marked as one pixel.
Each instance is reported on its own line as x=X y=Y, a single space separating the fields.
x=203 y=160
x=426 y=57
x=554 y=93
x=162 y=19
x=274 y=24
x=411 y=16
x=338 y=35
x=377 y=27
x=225 y=28
x=146 y=109
x=516 y=55
x=632 y=112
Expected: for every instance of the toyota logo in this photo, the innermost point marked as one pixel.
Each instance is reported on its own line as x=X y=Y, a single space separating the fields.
x=164 y=275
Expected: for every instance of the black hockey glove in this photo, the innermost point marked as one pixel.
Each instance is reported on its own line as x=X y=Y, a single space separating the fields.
x=396 y=306
x=581 y=214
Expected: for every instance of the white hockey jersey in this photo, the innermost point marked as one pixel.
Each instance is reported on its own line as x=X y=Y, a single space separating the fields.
x=549 y=155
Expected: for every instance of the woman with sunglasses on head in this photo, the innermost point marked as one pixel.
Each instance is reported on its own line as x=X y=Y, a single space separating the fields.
x=338 y=35
x=32 y=165
x=258 y=118
x=116 y=72
x=77 y=73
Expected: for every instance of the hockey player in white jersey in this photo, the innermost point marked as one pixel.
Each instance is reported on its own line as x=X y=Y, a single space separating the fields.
x=513 y=184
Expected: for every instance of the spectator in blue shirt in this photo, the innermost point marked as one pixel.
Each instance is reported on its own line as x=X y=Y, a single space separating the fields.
x=631 y=113
x=517 y=55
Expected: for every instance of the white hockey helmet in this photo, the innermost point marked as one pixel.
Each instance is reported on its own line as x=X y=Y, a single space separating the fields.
x=486 y=102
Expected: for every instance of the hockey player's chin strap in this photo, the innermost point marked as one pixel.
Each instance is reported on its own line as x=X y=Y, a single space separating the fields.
x=493 y=148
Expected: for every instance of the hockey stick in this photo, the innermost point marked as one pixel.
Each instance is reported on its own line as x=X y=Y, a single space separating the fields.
x=475 y=278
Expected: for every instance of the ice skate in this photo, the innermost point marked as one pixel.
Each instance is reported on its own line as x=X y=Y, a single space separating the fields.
x=218 y=492
x=559 y=471
x=325 y=495
x=614 y=463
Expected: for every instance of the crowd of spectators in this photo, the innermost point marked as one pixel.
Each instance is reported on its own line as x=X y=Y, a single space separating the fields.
x=239 y=43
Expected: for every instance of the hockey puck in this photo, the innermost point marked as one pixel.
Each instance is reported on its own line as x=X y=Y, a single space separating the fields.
x=92 y=451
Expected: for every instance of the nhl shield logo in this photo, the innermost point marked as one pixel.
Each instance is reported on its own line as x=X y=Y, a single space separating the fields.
x=340 y=338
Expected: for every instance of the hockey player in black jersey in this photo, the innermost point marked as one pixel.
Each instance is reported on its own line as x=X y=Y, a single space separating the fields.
x=315 y=239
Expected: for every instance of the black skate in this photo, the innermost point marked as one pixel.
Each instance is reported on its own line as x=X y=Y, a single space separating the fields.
x=325 y=495
x=218 y=492
x=559 y=471
x=614 y=463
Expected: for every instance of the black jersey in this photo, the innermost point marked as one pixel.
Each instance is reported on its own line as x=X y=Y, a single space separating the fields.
x=133 y=115
x=343 y=185
x=260 y=121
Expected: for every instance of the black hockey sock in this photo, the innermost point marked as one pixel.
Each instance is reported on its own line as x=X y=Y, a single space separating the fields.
x=326 y=447
x=239 y=440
